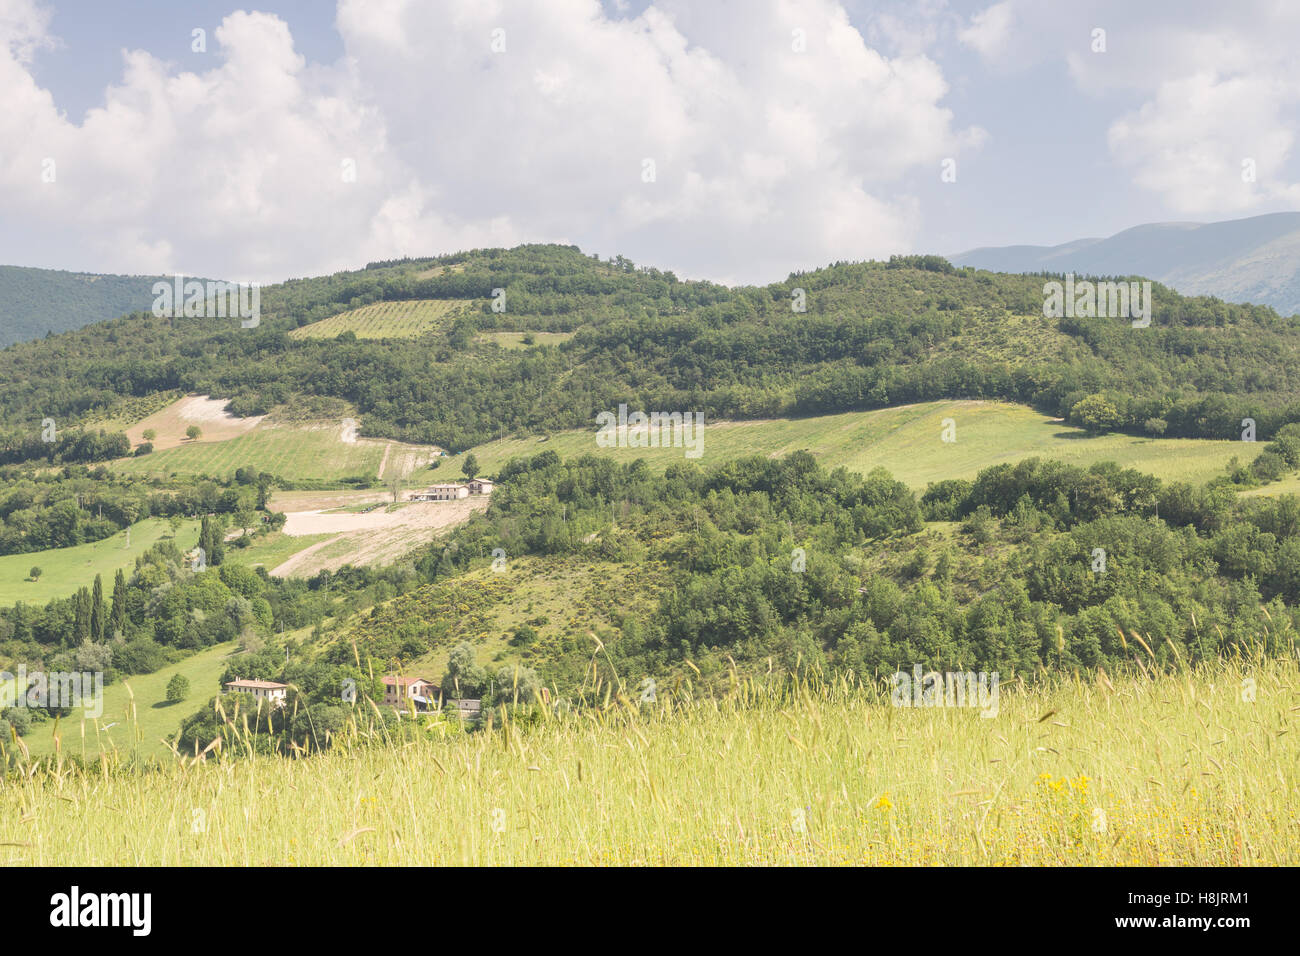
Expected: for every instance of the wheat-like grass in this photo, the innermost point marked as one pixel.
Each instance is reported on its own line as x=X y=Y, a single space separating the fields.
x=1197 y=767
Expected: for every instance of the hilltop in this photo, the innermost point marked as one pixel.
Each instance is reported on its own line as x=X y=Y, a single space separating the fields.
x=39 y=302
x=565 y=336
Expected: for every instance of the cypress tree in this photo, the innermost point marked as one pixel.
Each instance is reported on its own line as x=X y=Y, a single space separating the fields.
x=81 y=617
x=117 y=617
x=205 y=540
x=215 y=550
x=97 y=610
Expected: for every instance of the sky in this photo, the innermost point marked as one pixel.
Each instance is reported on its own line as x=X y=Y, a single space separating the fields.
x=732 y=141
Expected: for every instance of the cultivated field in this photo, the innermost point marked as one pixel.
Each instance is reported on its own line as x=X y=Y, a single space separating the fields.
x=1183 y=769
x=907 y=441
x=328 y=529
x=64 y=570
x=326 y=450
x=386 y=320
x=292 y=452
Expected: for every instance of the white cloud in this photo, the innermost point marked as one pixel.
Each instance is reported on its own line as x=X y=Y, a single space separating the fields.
x=1189 y=144
x=1198 y=86
x=767 y=159
x=989 y=33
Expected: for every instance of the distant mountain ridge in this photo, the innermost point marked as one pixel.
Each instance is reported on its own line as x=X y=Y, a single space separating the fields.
x=34 y=302
x=1241 y=260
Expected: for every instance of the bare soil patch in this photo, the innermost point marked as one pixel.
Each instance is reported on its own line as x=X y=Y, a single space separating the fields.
x=208 y=413
x=291 y=501
x=378 y=537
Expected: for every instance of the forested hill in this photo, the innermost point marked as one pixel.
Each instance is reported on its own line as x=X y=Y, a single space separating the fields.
x=35 y=302
x=607 y=332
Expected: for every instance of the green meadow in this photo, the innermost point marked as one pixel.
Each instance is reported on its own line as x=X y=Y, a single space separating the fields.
x=136 y=716
x=272 y=550
x=63 y=570
x=293 y=453
x=906 y=440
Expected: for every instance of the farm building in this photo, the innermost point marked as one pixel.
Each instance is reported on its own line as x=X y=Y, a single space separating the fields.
x=468 y=708
x=267 y=690
x=451 y=492
x=399 y=690
x=441 y=493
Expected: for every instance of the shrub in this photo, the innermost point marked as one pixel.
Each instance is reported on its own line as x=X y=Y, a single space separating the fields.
x=178 y=688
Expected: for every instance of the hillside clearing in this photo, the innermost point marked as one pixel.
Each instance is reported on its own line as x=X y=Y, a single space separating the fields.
x=136 y=716
x=515 y=340
x=209 y=414
x=906 y=441
x=272 y=550
x=386 y=320
x=64 y=570
x=560 y=599
x=376 y=537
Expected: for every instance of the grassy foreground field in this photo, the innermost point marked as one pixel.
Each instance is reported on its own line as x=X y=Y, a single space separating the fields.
x=1189 y=769
x=907 y=441
x=66 y=569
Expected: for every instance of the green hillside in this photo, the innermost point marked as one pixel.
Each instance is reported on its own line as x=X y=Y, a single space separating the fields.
x=136 y=715
x=292 y=453
x=63 y=570
x=590 y=570
x=36 y=302
x=906 y=441
x=848 y=337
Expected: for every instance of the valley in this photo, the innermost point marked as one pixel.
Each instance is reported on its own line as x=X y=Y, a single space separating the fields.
x=921 y=471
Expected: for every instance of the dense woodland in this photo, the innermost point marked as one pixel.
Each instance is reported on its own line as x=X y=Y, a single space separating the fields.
x=39 y=302
x=873 y=334
x=42 y=509
x=761 y=564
